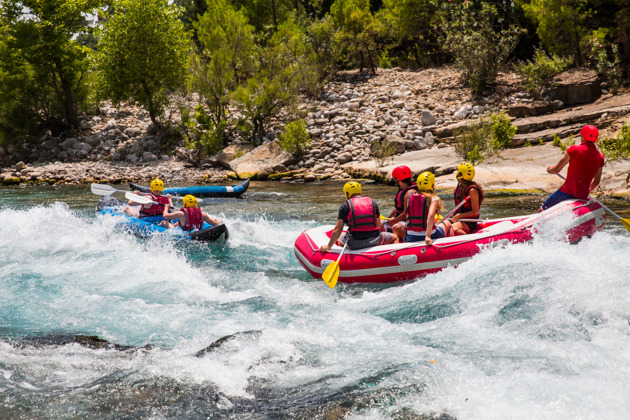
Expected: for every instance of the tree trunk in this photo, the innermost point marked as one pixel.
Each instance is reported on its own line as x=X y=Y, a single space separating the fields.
x=66 y=99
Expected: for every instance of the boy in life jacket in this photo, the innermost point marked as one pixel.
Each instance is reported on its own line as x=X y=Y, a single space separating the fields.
x=189 y=217
x=585 y=169
x=150 y=209
x=363 y=218
x=466 y=187
x=422 y=209
x=406 y=187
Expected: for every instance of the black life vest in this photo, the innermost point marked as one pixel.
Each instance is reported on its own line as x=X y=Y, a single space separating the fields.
x=399 y=204
x=362 y=216
x=460 y=194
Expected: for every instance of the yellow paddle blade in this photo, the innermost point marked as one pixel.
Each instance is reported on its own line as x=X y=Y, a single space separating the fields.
x=383 y=217
x=331 y=274
x=438 y=217
x=626 y=224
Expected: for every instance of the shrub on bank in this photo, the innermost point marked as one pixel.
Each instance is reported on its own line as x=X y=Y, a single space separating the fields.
x=617 y=147
x=295 y=138
x=484 y=138
x=539 y=72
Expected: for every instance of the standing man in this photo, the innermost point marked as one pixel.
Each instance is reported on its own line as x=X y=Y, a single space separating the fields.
x=585 y=169
x=363 y=218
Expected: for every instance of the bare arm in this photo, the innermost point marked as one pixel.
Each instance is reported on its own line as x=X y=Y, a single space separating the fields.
x=561 y=164
x=334 y=236
x=430 y=219
x=474 y=203
x=402 y=216
x=210 y=220
x=596 y=179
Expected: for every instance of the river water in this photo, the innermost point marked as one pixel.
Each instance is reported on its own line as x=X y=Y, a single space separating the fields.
x=532 y=331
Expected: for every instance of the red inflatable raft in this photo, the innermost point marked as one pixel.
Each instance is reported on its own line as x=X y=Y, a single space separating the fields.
x=408 y=261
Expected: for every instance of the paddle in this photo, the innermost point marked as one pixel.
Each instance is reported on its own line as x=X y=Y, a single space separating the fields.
x=101 y=189
x=140 y=199
x=625 y=222
x=331 y=273
x=464 y=201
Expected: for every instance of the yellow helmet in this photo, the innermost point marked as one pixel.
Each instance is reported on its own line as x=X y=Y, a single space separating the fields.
x=189 y=201
x=351 y=188
x=465 y=171
x=426 y=181
x=157 y=184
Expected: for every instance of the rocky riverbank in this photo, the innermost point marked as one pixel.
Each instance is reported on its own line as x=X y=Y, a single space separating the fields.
x=413 y=112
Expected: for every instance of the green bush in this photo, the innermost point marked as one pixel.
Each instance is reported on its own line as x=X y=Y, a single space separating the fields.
x=383 y=151
x=563 y=144
x=295 y=138
x=201 y=133
x=618 y=147
x=539 y=73
x=502 y=131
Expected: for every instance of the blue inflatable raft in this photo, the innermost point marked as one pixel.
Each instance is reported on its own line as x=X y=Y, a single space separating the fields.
x=148 y=226
x=201 y=191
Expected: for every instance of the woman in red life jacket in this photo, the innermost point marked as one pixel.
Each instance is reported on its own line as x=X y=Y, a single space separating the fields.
x=466 y=187
x=422 y=209
x=406 y=187
x=150 y=209
x=189 y=217
x=363 y=218
x=585 y=169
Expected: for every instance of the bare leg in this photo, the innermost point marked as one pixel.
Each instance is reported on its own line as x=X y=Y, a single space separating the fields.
x=131 y=211
x=460 y=228
x=400 y=230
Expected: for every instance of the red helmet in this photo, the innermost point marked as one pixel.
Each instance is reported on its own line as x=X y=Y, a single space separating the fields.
x=401 y=173
x=589 y=133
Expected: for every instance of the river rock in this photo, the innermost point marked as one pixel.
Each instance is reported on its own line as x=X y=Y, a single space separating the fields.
x=262 y=158
x=392 y=140
x=576 y=86
x=427 y=117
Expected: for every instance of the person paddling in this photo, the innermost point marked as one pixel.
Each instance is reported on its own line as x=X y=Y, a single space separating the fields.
x=190 y=216
x=585 y=169
x=150 y=209
x=406 y=187
x=422 y=208
x=363 y=218
x=466 y=187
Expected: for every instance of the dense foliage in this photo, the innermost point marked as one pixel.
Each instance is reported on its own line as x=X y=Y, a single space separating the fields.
x=248 y=60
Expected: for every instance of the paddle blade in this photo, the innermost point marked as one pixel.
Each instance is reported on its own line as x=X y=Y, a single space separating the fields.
x=626 y=224
x=331 y=274
x=137 y=198
x=100 y=189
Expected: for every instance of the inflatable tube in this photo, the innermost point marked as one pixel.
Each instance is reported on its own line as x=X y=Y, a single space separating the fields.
x=411 y=260
x=201 y=191
x=149 y=226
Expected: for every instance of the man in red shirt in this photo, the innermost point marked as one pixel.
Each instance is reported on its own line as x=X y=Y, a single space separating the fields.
x=585 y=169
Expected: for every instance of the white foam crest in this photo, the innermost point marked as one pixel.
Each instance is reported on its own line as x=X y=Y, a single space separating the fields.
x=265 y=233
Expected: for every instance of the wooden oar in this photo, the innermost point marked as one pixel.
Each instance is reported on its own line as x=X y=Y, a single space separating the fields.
x=624 y=222
x=331 y=273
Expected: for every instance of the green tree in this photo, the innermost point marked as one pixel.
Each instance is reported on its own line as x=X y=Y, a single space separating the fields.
x=274 y=83
x=325 y=47
x=538 y=74
x=411 y=25
x=225 y=58
x=479 y=40
x=360 y=30
x=40 y=51
x=142 y=55
x=560 y=24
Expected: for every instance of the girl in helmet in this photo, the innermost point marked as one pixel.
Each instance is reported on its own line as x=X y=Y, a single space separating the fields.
x=190 y=216
x=421 y=209
x=150 y=209
x=361 y=213
x=406 y=187
x=466 y=187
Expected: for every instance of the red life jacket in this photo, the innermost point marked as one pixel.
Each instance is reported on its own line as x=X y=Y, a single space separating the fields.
x=362 y=215
x=417 y=212
x=399 y=204
x=194 y=218
x=460 y=194
x=155 y=209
